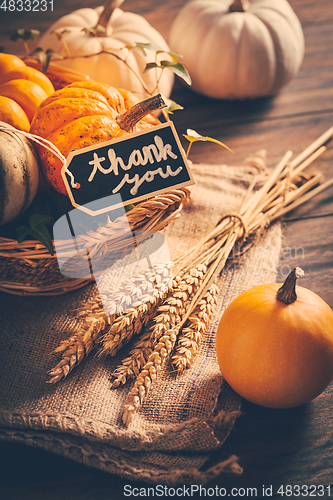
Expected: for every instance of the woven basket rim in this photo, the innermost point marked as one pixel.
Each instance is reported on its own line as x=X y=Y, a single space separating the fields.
x=134 y=219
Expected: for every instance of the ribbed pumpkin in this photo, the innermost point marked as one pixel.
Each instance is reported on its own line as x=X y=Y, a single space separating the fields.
x=238 y=49
x=12 y=113
x=82 y=114
x=22 y=89
x=19 y=173
x=275 y=344
x=9 y=62
x=89 y=54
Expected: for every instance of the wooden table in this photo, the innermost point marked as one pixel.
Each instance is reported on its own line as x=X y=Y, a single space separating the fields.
x=275 y=448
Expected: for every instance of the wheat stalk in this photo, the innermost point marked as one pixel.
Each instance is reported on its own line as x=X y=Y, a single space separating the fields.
x=144 y=292
x=169 y=314
x=149 y=373
x=78 y=346
x=140 y=288
x=105 y=322
x=191 y=335
x=285 y=189
x=128 y=324
x=94 y=305
x=138 y=357
x=164 y=335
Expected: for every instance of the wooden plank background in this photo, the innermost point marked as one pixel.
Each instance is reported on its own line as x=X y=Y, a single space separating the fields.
x=274 y=447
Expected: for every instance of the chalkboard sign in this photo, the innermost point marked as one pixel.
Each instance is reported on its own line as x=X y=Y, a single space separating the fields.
x=136 y=167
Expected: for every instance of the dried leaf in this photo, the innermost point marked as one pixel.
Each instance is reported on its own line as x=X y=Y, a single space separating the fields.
x=193 y=136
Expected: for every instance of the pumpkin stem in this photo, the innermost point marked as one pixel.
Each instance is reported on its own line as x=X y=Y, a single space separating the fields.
x=127 y=120
x=240 y=6
x=108 y=11
x=287 y=293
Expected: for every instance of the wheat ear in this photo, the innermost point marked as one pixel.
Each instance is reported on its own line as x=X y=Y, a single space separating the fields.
x=169 y=314
x=195 y=328
x=78 y=346
x=145 y=293
x=126 y=325
x=94 y=305
x=137 y=289
x=164 y=335
x=101 y=311
x=138 y=356
x=132 y=365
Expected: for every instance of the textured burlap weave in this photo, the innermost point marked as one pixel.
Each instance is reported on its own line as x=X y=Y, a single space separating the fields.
x=183 y=419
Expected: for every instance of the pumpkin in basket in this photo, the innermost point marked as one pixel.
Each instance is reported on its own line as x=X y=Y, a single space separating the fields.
x=22 y=89
x=19 y=173
x=87 y=113
x=9 y=62
x=238 y=49
x=101 y=54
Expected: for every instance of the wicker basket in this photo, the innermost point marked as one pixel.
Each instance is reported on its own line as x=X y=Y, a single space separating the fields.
x=28 y=268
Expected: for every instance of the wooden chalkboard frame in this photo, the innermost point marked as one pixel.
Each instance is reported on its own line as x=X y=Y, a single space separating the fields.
x=77 y=168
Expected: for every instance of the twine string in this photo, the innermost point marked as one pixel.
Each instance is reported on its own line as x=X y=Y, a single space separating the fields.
x=235 y=217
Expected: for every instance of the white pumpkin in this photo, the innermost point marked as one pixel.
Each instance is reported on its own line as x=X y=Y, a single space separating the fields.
x=122 y=29
x=19 y=173
x=240 y=49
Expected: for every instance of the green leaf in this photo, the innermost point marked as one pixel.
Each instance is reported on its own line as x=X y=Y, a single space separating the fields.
x=42 y=234
x=128 y=208
x=174 y=55
x=37 y=230
x=22 y=232
x=172 y=106
x=2 y=48
x=94 y=31
x=25 y=35
x=59 y=34
x=50 y=53
x=150 y=66
x=99 y=29
x=36 y=220
x=45 y=57
x=147 y=46
x=179 y=69
x=41 y=56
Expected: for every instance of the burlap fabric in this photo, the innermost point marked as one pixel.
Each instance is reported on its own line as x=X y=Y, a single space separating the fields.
x=184 y=419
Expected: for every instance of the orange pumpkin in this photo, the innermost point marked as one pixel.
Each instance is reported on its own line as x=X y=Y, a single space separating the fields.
x=83 y=114
x=22 y=89
x=30 y=74
x=274 y=348
x=12 y=113
x=27 y=94
x=9 y=62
